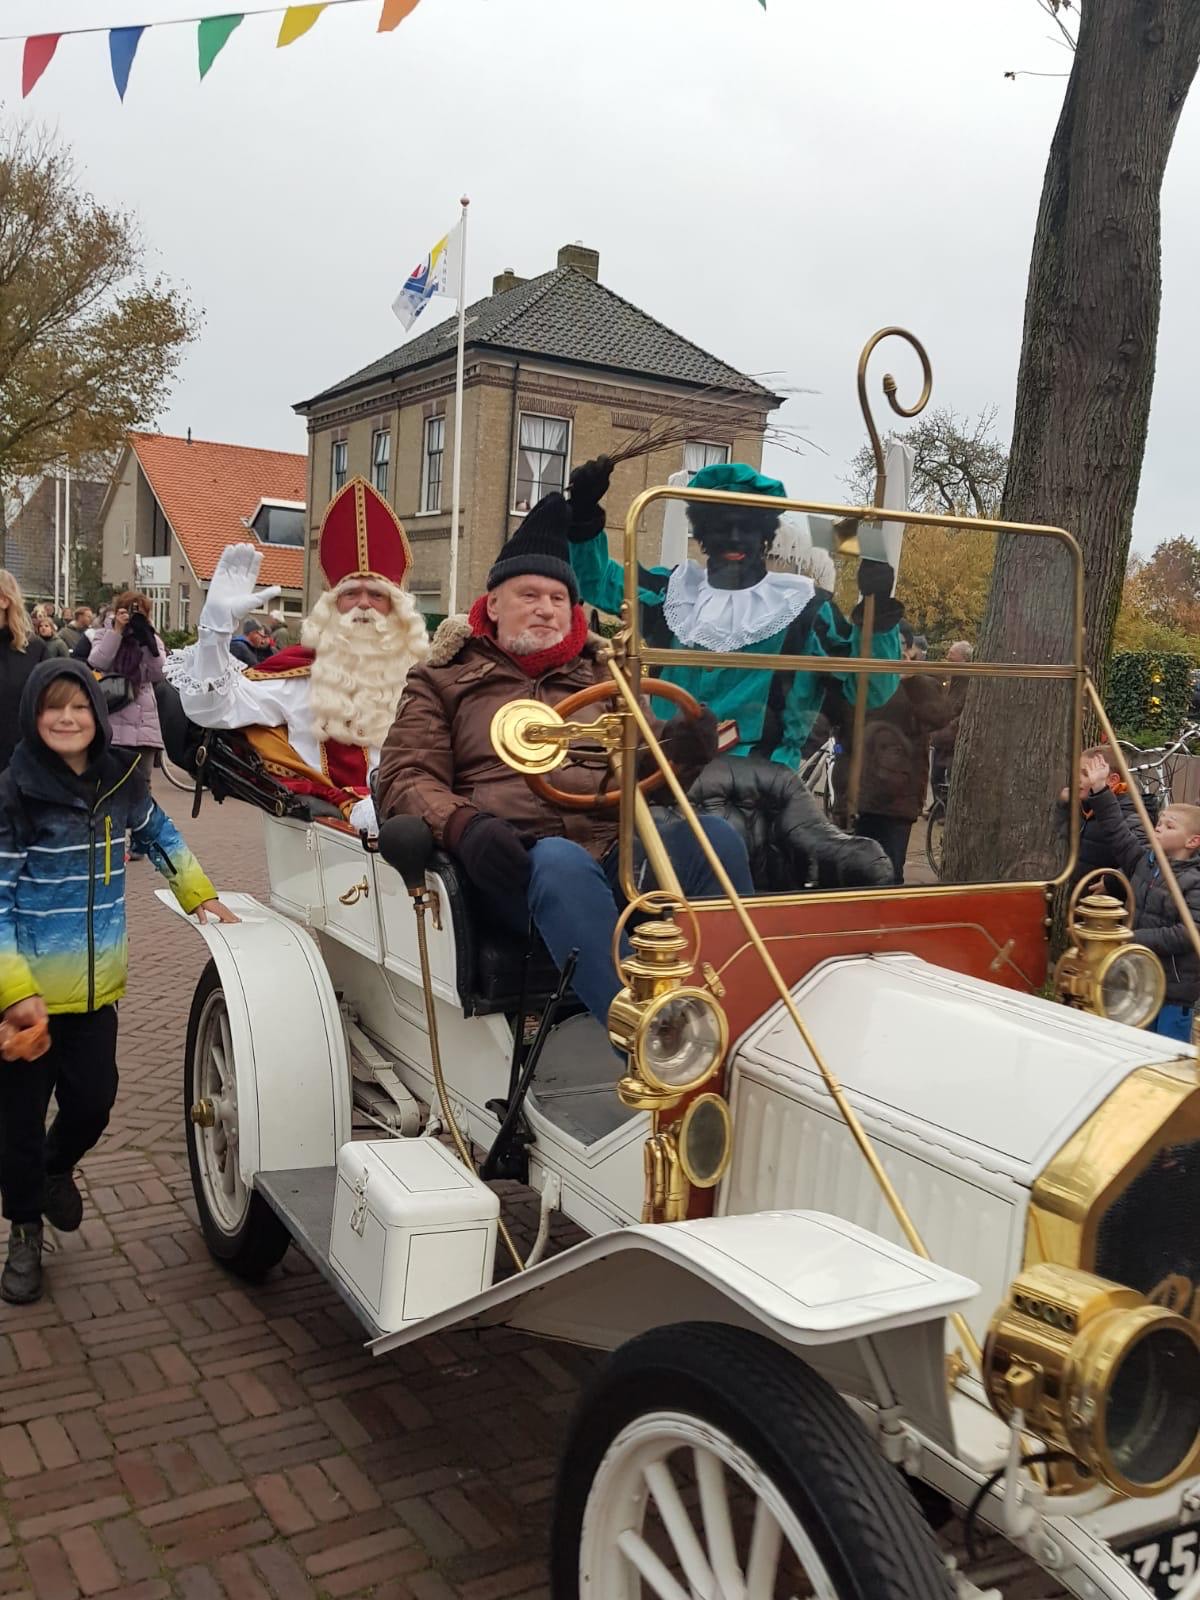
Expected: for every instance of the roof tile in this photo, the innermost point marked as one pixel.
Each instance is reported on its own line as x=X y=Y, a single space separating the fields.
x=205 y=490
x=566 y=316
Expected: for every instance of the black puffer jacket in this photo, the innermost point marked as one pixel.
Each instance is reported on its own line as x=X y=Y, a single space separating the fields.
x=15 y=667
x=791 y=844
x=1156 y=921
x=1095 y=850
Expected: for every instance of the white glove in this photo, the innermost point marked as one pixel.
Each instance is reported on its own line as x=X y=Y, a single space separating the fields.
x=231 y=594
x=362 y=816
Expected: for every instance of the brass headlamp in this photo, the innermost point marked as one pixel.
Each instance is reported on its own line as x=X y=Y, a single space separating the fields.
x=1103 y=970
x=1100 y=1372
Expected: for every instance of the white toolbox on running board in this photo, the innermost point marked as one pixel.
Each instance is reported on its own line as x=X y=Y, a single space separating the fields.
x=413 y=1230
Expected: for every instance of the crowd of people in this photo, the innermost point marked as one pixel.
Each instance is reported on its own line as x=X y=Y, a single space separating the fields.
x=367 y=719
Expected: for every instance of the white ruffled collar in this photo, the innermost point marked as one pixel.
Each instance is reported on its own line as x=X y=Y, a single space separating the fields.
x=731 y=619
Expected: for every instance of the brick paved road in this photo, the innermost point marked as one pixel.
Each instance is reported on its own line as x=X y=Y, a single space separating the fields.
x=166 y=1431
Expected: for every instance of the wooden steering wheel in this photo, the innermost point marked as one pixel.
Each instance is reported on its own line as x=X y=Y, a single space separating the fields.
x=606 y=799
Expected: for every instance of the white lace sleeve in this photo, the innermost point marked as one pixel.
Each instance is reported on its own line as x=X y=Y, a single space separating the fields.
x=216 y=694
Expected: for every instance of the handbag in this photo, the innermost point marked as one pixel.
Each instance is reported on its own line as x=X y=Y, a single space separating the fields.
x=116 y=690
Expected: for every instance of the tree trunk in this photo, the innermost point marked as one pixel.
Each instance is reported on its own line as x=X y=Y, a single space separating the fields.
x=1079 y=430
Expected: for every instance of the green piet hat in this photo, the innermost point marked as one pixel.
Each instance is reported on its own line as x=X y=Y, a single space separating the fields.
x=737 y=478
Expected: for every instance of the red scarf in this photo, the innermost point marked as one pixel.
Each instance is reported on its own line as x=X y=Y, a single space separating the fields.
x=539 y=661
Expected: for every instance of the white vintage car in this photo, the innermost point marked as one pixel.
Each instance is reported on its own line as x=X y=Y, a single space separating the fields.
x=863 y=1211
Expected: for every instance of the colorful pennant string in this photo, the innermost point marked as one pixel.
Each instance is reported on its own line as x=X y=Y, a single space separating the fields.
x=394 y=13
x=297 y=20
x=212 y=36
x=122 y=47
x=39 y=52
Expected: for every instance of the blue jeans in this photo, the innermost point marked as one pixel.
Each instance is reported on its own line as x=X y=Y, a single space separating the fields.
x=573 y=899
x=1174 y=1022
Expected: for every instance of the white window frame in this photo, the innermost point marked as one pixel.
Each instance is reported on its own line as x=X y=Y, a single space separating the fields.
x=426 y=510
x=706 y=445
x=384 y=434
x=185 y=605
x=540 y=416
x=428 y=600
x=344 y=446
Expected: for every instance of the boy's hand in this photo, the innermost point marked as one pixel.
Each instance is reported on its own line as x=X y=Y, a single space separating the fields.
x=1094 y=773
x=216 y=911
x=27 y=1013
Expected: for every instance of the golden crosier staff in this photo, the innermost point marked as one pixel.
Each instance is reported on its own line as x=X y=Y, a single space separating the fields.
x=862 y=690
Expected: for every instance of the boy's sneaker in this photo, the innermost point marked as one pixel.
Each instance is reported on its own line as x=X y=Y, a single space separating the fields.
x=21 y=1280
x=63 y=1208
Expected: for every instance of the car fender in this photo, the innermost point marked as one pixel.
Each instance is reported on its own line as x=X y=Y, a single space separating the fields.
x=289 y=1046
x=855 y=1306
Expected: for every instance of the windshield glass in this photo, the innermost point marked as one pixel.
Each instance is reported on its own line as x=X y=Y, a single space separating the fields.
x=908 y=738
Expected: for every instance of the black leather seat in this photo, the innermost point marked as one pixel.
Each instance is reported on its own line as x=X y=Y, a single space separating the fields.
x=791 y=843
x=226 y=764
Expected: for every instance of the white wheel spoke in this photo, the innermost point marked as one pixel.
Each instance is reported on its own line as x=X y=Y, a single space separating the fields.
x=679 y=1526
x=226 y=1041
x=635 y=1550
x=718 y=1525
x=766 y=1542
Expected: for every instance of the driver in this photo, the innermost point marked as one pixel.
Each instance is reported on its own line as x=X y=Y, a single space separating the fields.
x=527 y=638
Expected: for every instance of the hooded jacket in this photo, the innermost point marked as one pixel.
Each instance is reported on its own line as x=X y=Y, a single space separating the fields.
x=62 y=861
x=1156 y=921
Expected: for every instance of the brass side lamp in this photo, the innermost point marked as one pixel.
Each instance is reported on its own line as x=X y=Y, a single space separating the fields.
x=1103 y=970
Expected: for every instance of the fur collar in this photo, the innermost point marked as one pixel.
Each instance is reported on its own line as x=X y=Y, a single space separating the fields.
x=454 y=632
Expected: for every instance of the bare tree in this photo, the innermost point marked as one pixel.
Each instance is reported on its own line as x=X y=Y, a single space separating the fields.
x=89 y=343
x=1082 y=408
x=958 y=467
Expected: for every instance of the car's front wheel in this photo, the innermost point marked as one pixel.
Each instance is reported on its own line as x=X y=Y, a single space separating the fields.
x=239 y=1226
x=706 y=1460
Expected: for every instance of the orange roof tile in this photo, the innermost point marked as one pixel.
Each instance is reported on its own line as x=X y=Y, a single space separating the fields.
x=205 y=490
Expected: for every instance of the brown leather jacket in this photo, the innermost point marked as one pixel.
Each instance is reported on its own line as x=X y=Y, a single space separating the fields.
x=438 y=756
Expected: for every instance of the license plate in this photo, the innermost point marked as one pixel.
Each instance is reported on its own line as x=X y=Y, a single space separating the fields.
x=1167 y=1561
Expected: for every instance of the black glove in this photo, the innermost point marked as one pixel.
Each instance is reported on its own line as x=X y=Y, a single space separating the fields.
x=140 y=630
x=587 y=488
x=492 y=854
x=877 y=578
x=690 y=742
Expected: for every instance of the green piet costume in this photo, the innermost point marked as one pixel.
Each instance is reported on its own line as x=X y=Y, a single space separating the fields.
x=781 y=613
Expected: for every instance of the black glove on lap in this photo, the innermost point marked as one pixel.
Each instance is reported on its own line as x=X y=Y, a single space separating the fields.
x=492 y=854
x=690 y=743
x=587 y=488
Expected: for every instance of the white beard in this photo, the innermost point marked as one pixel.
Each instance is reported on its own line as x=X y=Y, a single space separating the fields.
x=359 y=667
x=529 y=643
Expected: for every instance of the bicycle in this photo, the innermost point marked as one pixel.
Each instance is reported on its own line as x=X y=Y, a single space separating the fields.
x=1156 y=777
x=935 y=828
x=816 y=774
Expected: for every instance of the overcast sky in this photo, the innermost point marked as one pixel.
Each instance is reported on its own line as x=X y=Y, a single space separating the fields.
x=774 y=186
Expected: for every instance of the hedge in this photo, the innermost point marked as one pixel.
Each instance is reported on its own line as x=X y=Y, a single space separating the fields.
x=1149 y=692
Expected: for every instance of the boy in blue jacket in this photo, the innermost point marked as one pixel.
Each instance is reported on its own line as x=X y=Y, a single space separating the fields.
x=66 y=803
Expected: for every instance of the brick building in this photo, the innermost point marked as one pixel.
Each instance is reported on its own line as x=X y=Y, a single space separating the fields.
x=174 y=504
x=558 y=369
x=29 y=553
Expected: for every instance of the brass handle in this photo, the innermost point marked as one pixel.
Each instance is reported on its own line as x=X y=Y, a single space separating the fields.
x=356 y=892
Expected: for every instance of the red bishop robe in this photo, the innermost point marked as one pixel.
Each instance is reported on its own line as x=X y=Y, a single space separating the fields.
x=342 y=779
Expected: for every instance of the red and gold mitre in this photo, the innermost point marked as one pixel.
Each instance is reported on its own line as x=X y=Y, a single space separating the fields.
x=361 y=534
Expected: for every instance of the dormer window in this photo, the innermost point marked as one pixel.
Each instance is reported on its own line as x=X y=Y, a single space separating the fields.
x=278 y=522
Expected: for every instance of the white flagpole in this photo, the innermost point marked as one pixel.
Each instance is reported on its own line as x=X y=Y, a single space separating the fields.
x=456 y=479
x=57 y=541
x=67 y=543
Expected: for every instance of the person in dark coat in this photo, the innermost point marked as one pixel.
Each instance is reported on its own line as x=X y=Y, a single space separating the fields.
x=1095 y=851
x=20 y=652
x=255 y=643
x=1156 y=923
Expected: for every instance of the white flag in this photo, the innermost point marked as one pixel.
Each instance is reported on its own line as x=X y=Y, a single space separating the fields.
x=438 y=273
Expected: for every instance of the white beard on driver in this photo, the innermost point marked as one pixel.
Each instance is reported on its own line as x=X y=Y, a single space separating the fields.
x=361 y=660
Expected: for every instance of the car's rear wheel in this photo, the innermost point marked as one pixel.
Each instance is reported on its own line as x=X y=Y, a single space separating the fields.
x=240 y=1228
x=706 y=1460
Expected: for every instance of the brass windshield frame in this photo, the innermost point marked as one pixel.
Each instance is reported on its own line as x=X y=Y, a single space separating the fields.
x=633 y=655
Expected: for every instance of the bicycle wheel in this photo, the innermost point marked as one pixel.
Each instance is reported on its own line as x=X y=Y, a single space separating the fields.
x=177 y=777
x=935 y=837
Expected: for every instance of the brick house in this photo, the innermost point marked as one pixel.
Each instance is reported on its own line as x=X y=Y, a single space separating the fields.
x=29 y=552
x=174 y=504
x=558 y=369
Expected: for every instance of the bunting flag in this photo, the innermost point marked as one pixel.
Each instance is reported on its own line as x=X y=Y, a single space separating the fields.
x=394 y=13
x=297 y=20
x=39 y=52
x=212 y=36
x=122 y=47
